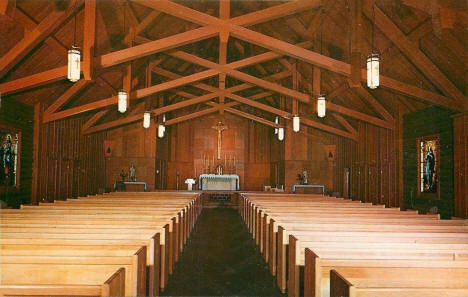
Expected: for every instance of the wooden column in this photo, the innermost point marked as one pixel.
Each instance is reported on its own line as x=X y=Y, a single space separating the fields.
x=36 y=152
x=460 y=158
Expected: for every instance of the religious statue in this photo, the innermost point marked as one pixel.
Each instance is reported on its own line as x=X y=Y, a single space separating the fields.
x=123 y=175
x=132 y=176
x=305 y=177
x=220 y=128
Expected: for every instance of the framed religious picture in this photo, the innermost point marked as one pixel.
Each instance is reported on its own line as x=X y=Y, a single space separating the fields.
x=428 y=176
x=10 y=148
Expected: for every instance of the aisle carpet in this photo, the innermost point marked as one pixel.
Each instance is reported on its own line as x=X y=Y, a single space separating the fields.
x=221 y=259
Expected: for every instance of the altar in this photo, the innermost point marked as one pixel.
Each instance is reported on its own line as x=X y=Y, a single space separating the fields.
x=219 y=182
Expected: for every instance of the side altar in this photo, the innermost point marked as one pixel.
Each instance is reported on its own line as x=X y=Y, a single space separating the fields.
x=219 y=182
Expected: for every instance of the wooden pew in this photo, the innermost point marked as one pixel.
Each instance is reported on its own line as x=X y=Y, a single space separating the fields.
x=296 y=258
x=76 y=220
x=257 y=213
x=61 y=280
x=320 y=262
x=156 y=241
x=399 y=282
x=134 y=265
x=151 y=246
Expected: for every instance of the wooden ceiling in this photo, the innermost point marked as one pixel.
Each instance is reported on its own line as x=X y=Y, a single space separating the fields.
x=254 y=59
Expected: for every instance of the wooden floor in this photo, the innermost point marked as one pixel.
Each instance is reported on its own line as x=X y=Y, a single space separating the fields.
x=221 y=260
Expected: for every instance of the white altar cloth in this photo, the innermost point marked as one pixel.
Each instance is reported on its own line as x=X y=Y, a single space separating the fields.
x=215 y=182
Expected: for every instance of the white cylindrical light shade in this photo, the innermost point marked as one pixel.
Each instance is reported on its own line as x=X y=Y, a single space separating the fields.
x=296 y=123
x=146 y=120
x=74 y=60
x=122 y=102
x=373 y=71
x=280 y=134
x=321 y=106
x=276 y=122
x=164 y=119
x=161 y=130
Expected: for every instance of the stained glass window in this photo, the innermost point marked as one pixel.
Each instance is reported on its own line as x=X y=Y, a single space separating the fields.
x=9 y=159
x=428 y=165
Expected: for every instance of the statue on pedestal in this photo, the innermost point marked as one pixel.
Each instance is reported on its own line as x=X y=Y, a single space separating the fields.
x=132 y=175
x=305 y=177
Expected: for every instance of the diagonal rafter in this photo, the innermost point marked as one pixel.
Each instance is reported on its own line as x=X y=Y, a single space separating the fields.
x=33 y=38
x=291 y=50
x=140 y=93
x=247 y=20
x=65 y=97
x=363 y=92
x=283 y=90
x=415 y=55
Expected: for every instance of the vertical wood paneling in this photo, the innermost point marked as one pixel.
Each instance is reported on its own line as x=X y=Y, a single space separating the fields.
x=429 y=121
x=460 y=150
x=70 y=163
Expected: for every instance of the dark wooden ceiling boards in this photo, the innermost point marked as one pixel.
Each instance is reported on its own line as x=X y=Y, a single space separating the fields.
x=425 y=66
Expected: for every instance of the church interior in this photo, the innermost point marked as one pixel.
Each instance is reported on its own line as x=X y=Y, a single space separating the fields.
x=234 y=148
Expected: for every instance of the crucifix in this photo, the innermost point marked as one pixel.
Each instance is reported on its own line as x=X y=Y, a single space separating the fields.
x=220 y=128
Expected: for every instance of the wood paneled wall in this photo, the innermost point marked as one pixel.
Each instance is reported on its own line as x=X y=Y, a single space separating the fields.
x=429 y=121
x=135 y=145
x=460 y=149
x=188 y=143
x=70 y=164
x=374 y=174
x=19 y=116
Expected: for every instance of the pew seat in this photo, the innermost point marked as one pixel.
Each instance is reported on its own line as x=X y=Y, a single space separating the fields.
x=398 y=282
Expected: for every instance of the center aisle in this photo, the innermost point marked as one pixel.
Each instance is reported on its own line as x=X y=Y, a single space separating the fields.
x=221 y=260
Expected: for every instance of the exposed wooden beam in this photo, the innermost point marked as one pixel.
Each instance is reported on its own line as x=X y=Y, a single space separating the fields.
x=33 y=80
x=242 y=76
x=415 y=92
x=252 y=117
x=209 y=88
x=345 y=124
x=329 y=129
x=81 y=109
x=251 y=36
x=286 y=48
x=33 y=38
x=3 y=7
x=160 y=110
x=415 y=55
x=153 y=47
x=337 y=91
x=259 y=105
x=364 y=93
x=191 y=116
x=93 y=120
x=147 y=21
x=136 y=114
x=423 y=5
x=356 y=43
x=180 y=39
x=359 y=115
x=89 y=38
x=224 y=13
x=64 y=98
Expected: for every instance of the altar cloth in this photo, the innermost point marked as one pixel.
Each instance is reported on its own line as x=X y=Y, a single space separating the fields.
x=216 y=182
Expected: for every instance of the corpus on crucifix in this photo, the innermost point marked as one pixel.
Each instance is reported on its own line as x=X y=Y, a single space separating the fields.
x=220 y=128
